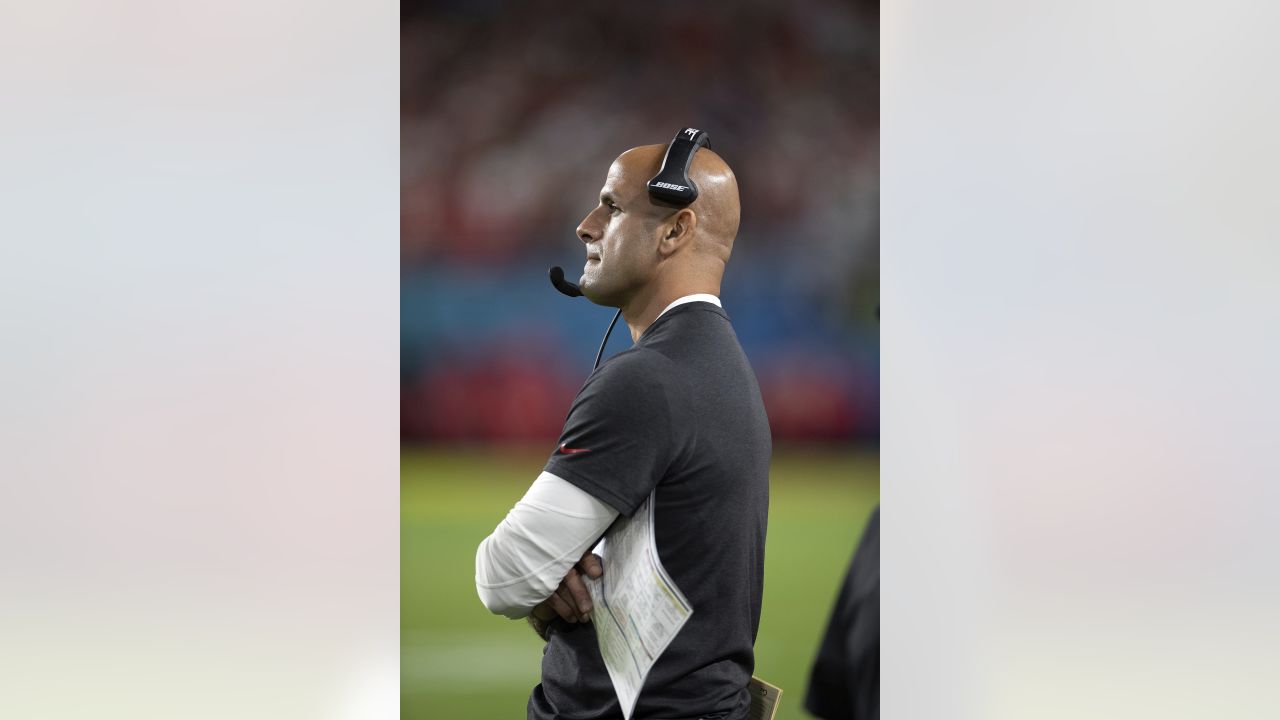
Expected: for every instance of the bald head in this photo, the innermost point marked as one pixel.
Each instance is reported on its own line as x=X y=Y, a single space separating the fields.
x=717 y=206
x=642 y=255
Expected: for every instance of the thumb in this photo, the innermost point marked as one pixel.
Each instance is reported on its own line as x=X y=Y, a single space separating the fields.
x=590 y=565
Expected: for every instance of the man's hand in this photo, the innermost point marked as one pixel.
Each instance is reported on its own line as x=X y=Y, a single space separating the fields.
x=571 y=601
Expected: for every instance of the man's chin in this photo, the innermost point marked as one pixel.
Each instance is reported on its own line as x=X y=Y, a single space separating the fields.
x=593 y=292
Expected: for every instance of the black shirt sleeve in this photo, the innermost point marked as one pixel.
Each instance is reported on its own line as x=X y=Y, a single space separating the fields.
x=617 y=441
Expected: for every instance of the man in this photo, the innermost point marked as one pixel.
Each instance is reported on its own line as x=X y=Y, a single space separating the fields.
x=845 y=681
x=679 y=413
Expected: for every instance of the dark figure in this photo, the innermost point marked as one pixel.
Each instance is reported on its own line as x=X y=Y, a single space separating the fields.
x=845 y=683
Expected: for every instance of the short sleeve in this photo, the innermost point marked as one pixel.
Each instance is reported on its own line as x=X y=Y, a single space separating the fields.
x=617 y=441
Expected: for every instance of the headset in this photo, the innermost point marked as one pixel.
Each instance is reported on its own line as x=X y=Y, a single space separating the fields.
x=671 y=187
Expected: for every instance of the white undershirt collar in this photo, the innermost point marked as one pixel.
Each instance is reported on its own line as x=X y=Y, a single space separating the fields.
x=697 y=297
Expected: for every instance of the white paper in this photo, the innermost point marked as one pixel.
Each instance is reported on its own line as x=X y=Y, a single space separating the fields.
x=637 y=608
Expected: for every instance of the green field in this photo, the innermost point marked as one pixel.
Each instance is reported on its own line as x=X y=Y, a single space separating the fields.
x=461 y=663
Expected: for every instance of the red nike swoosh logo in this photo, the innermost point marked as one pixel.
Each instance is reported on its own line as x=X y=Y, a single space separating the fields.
x=571 y=451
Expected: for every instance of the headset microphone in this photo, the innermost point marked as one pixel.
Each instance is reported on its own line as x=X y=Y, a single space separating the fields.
x=572 y=290
x=671 y=187
x=564 y=286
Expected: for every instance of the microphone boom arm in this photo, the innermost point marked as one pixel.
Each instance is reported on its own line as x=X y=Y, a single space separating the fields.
x=572 y=290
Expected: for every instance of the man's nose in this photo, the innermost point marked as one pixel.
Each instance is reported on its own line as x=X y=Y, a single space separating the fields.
x=584 y=231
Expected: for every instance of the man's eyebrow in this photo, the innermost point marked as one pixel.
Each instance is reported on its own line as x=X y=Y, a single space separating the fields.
x=606 y=198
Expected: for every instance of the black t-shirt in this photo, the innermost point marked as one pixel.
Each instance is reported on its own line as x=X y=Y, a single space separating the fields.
x=681 y=411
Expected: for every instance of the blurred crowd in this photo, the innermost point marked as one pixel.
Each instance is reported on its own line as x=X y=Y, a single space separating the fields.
x=512 y=113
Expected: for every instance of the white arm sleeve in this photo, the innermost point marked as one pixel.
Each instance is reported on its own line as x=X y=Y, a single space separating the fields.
x=523 y=561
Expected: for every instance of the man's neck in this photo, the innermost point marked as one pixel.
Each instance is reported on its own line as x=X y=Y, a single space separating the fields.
x=642 y=311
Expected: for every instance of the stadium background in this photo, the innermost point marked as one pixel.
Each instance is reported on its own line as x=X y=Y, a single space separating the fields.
x=510 y=115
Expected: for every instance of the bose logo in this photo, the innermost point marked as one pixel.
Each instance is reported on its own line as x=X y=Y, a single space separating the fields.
x=669 y=186
x=693 y=132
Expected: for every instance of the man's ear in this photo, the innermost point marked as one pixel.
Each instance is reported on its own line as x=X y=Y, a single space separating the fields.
x=677 y=232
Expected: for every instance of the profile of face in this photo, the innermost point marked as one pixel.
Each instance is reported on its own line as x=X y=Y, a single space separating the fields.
x=621 y=236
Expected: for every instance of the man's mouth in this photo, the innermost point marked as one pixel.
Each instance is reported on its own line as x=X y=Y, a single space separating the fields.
x=593 y=257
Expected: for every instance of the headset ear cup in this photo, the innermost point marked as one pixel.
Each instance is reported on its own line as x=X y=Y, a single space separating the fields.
x=672 y=186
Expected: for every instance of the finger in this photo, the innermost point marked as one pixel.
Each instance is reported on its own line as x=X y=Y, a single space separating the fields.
x=567 y=596
x=562 y=608
x=590 y=565
x=579 y=591
x=543 y=611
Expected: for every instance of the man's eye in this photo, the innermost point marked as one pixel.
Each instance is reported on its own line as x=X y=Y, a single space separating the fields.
x=612 y=208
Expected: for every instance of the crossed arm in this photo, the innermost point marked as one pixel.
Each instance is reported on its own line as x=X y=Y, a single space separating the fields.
x=532 y=563
x=571 y=601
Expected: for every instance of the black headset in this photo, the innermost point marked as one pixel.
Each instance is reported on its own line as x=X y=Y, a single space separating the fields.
x=671 y=187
